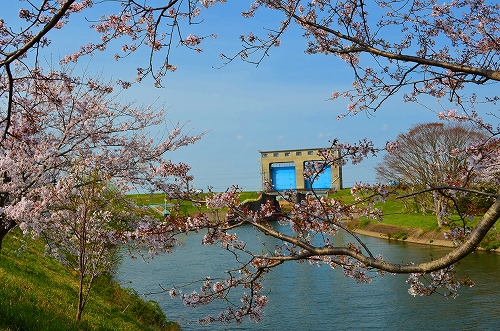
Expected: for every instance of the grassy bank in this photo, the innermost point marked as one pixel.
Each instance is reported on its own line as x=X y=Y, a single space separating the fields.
x=187 y=207
x=37 y=293
x=400 y=220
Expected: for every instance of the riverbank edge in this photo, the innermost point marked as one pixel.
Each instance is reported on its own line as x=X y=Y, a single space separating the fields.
x=410 y=239
x=415 y=236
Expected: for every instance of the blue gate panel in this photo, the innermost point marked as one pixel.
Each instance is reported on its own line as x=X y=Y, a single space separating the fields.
x=321 y=182
x=283 y=176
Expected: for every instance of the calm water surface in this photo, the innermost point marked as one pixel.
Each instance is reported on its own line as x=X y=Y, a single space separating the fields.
x=304 y=297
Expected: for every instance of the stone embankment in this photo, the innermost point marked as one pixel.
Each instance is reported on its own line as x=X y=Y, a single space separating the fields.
x=387 y=231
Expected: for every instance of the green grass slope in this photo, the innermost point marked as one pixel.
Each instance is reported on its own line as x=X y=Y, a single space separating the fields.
x=37 y=293
x=401 y=218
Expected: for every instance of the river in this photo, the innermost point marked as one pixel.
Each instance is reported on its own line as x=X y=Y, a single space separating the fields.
x=304 y=297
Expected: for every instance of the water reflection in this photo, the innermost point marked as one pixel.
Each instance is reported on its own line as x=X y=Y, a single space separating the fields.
x=303 y=297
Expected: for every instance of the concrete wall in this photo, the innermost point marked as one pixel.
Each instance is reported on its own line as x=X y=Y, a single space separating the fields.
x=298 y=157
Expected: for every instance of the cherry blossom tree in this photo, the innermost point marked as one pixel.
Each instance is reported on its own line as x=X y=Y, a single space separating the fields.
x=416 y=50
x=81 y=225
x=59 y=120
x=87 y=223
x=71 y=155
x=25 y=39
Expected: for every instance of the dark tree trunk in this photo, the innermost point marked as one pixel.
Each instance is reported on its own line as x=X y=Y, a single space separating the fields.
x=5 y=224
x=5 y=227
x=81 y=302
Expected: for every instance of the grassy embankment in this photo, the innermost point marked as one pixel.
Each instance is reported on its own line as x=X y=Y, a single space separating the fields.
x=397 y=218
x=187 y=207
x=400 y=220
x=38 y=293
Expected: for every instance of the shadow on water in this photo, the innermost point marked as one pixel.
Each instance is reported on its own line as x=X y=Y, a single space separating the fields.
x=304 y=297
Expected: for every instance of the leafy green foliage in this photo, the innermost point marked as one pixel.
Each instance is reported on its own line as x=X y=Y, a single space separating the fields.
x=490 y=242
x=401 y=235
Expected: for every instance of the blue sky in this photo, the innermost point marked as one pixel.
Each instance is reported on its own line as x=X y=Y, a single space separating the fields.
x=281 y=104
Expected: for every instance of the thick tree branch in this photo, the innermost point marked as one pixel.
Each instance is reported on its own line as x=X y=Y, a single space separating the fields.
x=10 y=93
x=366 y=48
x=469 y=245
x=492 y=195
x=36 y=38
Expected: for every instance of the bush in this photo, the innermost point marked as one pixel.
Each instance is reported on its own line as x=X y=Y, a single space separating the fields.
x=401 y=235
x=490 y=242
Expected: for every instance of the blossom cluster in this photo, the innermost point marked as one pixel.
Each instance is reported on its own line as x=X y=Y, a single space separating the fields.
x=251 y=304
x=70 y=140
x=441 y=279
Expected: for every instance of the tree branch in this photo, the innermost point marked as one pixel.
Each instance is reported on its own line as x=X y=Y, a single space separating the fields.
x=456 y=188
x=47 y=27
x=467 y=247
x=363 y=47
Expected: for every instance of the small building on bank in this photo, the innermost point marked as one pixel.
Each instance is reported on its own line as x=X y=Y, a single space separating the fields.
x=285 y=170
